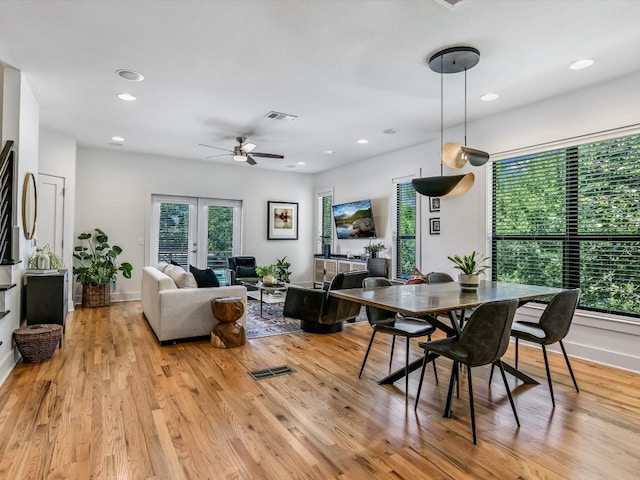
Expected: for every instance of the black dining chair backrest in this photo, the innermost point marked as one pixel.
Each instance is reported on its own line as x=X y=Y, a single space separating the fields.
x=377 y=315
x=556 y=318
x=485 y=337
x=439 y=277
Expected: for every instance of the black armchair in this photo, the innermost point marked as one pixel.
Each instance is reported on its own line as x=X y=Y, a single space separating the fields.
x=241 y=269
x=320 y=312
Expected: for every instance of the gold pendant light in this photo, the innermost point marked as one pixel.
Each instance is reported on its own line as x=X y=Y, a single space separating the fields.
x=452 y=60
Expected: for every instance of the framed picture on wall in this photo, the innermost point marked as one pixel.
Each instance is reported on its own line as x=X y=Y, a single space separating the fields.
x=282 y=221
x=434 y=226
x=434 y=204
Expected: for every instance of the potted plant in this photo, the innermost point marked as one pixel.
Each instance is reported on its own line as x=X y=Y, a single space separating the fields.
x=373 y=249
x=44 y=259
x=267 y=272
x=282 y=269
x=97 y=267
x=471 y=266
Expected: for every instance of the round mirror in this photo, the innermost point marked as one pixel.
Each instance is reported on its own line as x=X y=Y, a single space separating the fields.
x=29 y=206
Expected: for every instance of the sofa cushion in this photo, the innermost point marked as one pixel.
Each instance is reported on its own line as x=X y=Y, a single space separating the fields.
x=162 y=266
x=204 y=278
x=244 y=272
x=181 y=277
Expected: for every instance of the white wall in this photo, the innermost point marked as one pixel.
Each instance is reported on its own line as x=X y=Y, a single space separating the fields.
x=113 y=192
x=58 y=158
x=464 y=220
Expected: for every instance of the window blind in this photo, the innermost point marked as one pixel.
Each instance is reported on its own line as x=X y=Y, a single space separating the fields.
x=405 y=257
x=570 y=217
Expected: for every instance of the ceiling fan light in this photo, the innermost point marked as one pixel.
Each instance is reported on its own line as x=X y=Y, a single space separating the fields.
x=443 y=186
x=240 y=158
x=455 y=155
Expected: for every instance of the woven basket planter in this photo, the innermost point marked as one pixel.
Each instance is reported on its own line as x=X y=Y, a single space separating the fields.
x=38 y=342
x=96 y=295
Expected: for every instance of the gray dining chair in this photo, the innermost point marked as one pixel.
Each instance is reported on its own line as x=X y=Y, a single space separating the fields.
x=388 y=322
x=483 y=341
x=553 y=326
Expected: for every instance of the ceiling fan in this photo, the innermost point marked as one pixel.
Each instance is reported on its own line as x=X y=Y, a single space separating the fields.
x=241 y=152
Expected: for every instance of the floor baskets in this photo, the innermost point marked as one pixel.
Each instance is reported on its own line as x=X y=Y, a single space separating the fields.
x=96 y=295
x=38 y=342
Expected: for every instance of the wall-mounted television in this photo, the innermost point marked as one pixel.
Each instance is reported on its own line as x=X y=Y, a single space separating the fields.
x=354 y=220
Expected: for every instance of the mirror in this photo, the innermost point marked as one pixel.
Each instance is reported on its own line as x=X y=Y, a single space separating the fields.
x=29 y=206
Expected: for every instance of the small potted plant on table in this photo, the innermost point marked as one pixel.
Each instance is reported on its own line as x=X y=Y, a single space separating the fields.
x=97 y=267
x=267 y=272
x=471 y=266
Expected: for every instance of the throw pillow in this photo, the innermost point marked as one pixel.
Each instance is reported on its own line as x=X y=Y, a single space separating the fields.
x=162 y=266
x=204 y=278
x=181 y=277
x=244 y=272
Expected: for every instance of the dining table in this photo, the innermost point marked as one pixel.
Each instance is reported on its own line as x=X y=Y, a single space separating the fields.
x=432 y=300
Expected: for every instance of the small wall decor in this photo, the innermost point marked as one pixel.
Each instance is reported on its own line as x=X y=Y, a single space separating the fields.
x=282 y=221
x=434 y=226
x=434 y=204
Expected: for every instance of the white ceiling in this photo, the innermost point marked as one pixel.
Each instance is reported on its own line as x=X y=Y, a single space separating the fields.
x=348 y=69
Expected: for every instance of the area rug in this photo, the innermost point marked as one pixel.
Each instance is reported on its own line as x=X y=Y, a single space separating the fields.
x=272 y=321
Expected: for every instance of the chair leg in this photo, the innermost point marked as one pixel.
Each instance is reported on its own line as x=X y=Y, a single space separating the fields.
x=452 y=380
x=435 y=370
x=424 y=367
x=373 y=334
x=406 y=369
x=566 y=359
x=546 y=365
x=393 y=346
x=506 y=386
x=471 y=406
x=493 y=365
x=516 y=353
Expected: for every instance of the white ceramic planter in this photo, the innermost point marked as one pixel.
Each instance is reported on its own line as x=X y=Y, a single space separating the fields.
x=469 y=283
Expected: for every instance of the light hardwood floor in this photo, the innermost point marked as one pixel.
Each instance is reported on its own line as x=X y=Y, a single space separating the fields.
x=113 y=404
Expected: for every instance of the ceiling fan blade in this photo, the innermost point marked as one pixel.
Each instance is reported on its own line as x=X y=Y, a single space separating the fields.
x=267 y=155
x=211 y=146
x=218 y=156
x=247 y=147
x=251 y=161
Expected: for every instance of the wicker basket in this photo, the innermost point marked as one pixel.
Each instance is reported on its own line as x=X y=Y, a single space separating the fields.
x=96 y=295
x=38 y=342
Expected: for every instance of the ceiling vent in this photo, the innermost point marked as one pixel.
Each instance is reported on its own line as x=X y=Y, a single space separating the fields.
x=280 y=116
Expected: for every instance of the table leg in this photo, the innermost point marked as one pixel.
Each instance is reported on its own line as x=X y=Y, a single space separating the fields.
x=261 y=290
x=398 y=374
x=519 y=374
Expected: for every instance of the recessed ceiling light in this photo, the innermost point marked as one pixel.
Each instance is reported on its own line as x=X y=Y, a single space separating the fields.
x=301 y=163
x=130 y=75
x=580 y=64
x=363 y=140
x=117 y=139
x=127 y=97
x=329 y=152
x=489 y=97
x=390 y=131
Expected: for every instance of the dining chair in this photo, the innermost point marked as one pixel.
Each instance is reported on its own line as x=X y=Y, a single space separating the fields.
x=483 y=341
x=439 y=277
x=553 y=326
x=388 y=322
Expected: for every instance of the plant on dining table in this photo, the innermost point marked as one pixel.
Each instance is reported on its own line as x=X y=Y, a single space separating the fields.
x=471 y=266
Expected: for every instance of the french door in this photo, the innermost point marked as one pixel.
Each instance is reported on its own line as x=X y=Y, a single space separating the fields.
x=201 y=232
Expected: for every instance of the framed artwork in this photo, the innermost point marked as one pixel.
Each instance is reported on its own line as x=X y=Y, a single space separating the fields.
x=434 y=226
x=282 y=221
x=434 y=204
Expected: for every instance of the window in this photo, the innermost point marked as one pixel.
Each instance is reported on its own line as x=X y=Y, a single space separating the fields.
x=570 y=217
x=195 y=231
x=405 y=257
x=325 y=220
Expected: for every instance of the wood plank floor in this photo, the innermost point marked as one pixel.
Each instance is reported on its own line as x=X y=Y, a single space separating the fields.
x=113 y=404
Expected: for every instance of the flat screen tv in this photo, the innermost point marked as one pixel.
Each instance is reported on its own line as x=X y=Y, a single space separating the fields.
x=354 y=220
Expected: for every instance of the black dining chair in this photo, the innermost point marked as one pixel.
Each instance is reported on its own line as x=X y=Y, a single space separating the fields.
x=386 y=321
x=553 y=326
x=483 y=341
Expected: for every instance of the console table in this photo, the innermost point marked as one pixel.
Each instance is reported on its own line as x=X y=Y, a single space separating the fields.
x=46 y=297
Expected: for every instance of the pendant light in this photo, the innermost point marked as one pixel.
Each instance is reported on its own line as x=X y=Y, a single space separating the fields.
x=452 y=60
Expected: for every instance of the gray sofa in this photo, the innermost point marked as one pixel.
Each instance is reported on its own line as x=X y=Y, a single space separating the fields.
x=178 y=313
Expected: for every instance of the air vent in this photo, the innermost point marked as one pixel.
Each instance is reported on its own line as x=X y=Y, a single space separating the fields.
x=280 y=116
x=271 y=372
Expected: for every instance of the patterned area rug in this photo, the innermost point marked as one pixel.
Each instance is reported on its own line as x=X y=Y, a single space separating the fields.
x=272 y=322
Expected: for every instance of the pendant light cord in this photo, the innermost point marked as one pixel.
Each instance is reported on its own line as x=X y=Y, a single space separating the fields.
x=465 y=107
x=441 y=113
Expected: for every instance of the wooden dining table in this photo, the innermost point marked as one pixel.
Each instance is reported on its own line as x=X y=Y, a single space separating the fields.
x=433 y=299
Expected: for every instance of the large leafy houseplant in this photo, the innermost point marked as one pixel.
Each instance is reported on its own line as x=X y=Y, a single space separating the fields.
x=97 y=260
